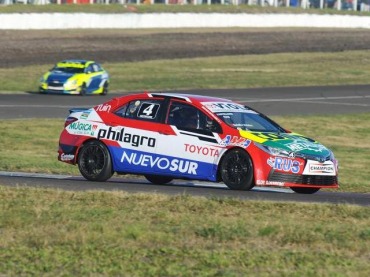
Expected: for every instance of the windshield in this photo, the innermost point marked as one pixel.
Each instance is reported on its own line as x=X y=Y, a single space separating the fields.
x=242 y=118
x=249 y=121
x=72 y=70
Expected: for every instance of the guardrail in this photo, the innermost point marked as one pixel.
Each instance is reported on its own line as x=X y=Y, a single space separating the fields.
x=80 y=20
x=359 y=5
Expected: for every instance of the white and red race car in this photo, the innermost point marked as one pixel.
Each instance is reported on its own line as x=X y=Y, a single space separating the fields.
x=166 y=136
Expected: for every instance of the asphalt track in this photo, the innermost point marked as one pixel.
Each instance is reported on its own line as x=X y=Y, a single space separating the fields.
x=271 y=101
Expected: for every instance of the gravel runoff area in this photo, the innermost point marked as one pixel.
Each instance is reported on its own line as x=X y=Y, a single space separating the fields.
x=33 y=47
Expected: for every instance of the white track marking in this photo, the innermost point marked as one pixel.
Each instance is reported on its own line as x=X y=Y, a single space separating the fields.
x=331 y=103
x=34 y=175
x=41 y=106
x=254 y=100
x=179 y=183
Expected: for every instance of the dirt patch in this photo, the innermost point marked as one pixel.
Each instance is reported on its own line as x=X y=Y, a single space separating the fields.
x=21 y=48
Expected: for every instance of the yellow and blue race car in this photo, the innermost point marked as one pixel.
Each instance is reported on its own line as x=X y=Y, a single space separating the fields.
x=75 y=77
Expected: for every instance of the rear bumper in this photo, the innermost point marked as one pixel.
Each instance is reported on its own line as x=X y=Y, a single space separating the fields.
x=67 y=153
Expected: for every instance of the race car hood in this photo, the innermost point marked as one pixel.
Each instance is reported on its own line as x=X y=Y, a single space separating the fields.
x=60 y=76
x=289 y=144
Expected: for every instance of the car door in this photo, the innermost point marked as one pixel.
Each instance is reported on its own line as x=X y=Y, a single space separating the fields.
x=136 y=127
x=94 y=78
x=189 y=149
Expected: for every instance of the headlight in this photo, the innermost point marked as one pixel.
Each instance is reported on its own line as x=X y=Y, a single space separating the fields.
x=42 y=79
x=71 y=84
x=274 y=151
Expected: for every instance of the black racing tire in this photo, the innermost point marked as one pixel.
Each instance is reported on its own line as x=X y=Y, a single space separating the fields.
x=105 y=89
x=83 y=90
x=305 y=190
x=237 y=170
x=94 y=161
x=158 y=180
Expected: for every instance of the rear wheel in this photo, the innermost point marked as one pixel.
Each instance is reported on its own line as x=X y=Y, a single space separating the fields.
x=305 y=190
x=94 y=161
x=237 y=170
x=158 y=180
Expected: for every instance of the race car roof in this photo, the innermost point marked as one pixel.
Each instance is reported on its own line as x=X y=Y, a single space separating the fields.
x=74 y=63
x=189 y=97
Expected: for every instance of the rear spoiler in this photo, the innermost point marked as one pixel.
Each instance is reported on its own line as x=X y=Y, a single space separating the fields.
x=75 y=110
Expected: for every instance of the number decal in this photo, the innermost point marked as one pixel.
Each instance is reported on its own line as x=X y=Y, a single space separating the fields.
x=148 y=110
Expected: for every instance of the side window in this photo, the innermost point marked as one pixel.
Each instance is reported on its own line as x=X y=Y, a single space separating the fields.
x=95 y=67
x=121 y=111
x=89 y=69
x=146 y=110
x=185 y=116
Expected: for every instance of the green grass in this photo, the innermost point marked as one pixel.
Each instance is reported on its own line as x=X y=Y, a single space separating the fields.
x=298 y=69
x=161 y=8
x=58 y=233
x=31 y=145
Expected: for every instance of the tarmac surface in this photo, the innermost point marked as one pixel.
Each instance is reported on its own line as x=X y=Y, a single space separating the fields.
x=270 y=101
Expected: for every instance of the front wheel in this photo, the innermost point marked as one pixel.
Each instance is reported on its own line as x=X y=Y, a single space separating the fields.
x=105 y=89
x=237 y=170
x=305 y=190
x=94 y=161
x=83 y=90
x=158 y=180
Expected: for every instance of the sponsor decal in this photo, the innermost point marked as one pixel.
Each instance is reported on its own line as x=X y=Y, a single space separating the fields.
x=160 y=163
x=103 y=108
x=225 y=107
x=269 y=183
x=82 y=128
x=85 y=114
x=284 y=164
x=66 y=157
x=235 y=140
x=321 y=168
x=327 y=168
x=122 y=136
x=202 y=150
x=298 y=146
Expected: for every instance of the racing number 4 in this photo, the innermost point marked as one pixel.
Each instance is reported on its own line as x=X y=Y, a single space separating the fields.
x=148 y=110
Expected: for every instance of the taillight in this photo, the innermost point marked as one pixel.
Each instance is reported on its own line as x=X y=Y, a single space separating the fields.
x=69 y=120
